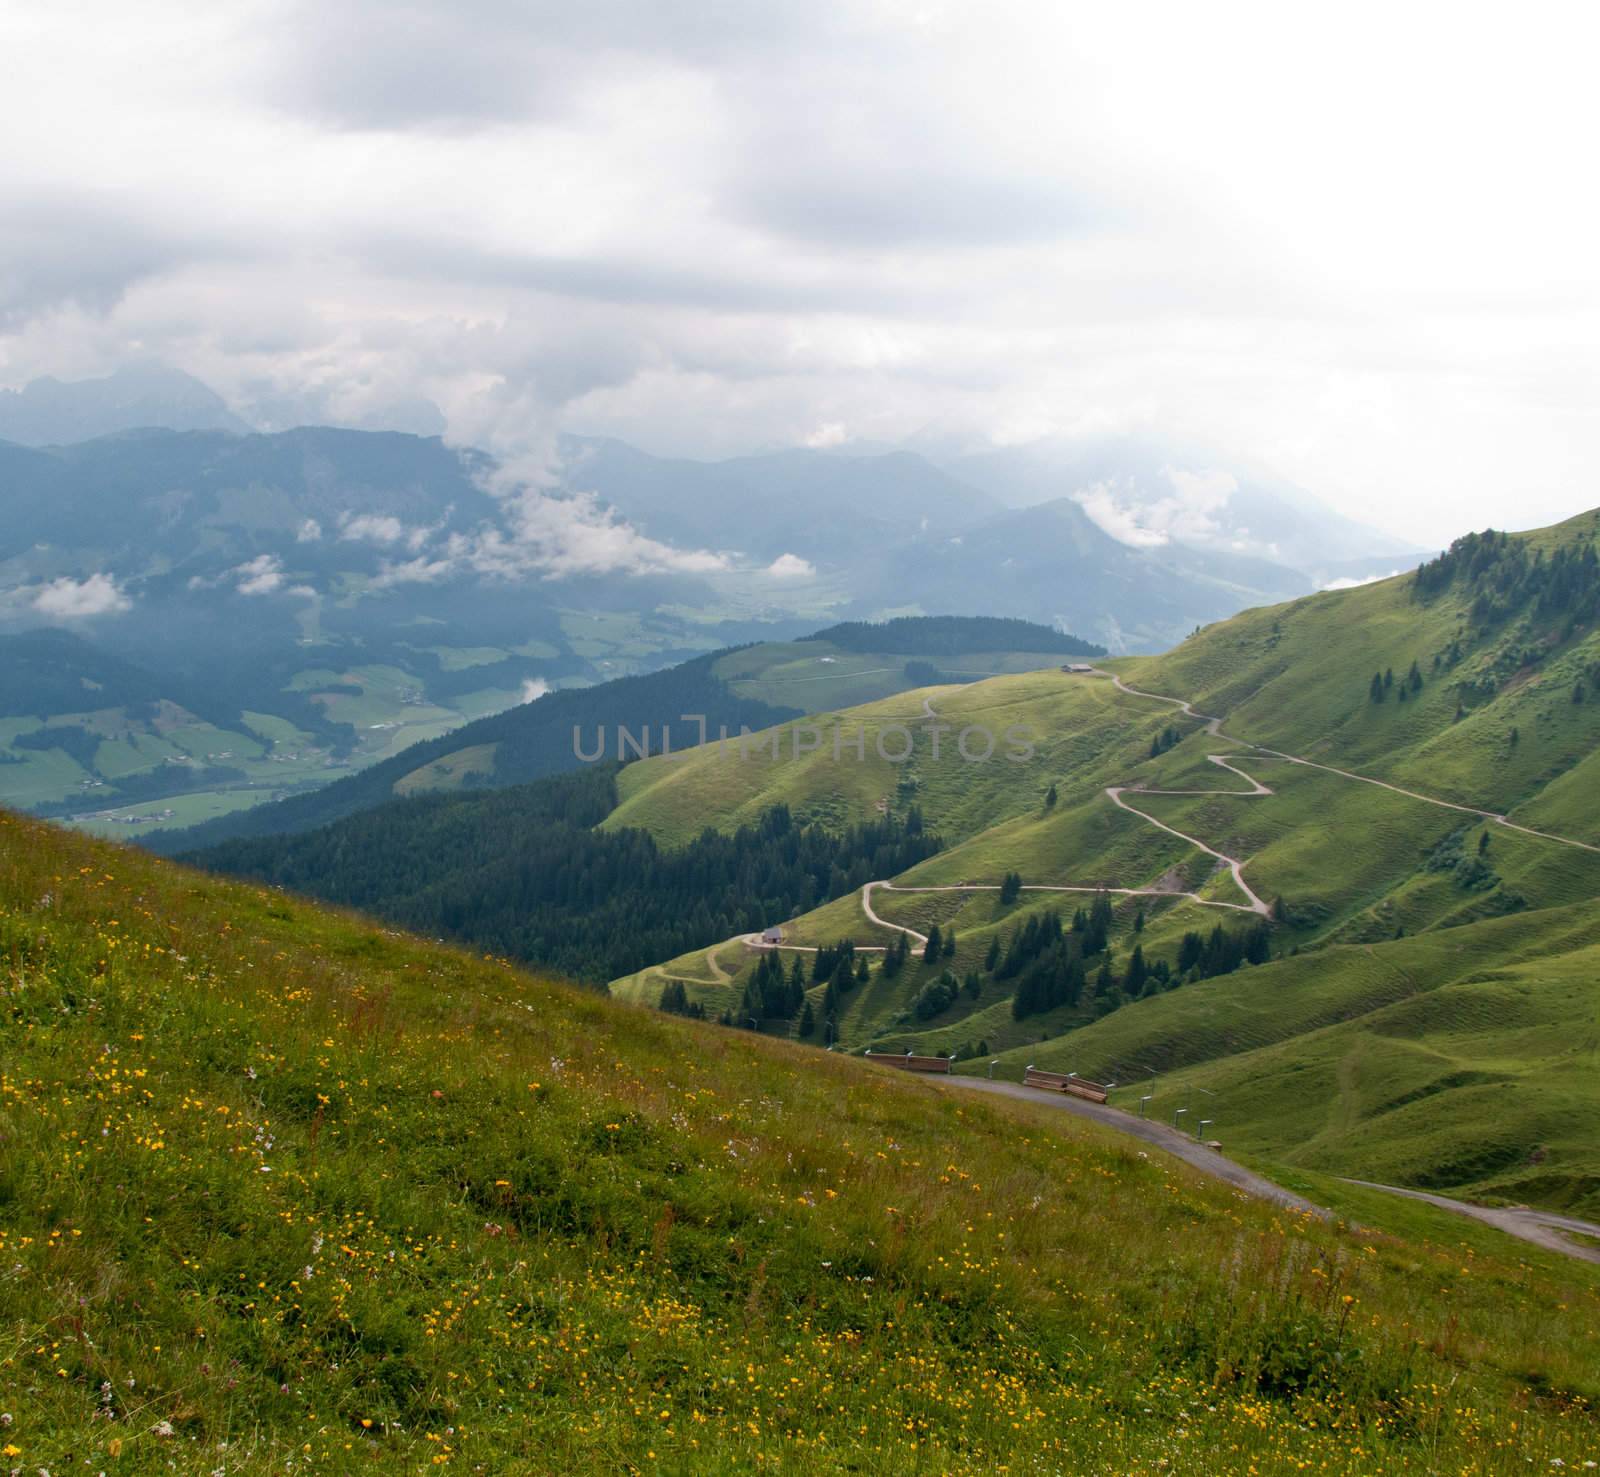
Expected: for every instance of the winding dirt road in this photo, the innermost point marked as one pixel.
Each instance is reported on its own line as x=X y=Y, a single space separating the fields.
x=1537 y=1227
x=1541 y=1227
x=1207 y=1161
x=1214 y=727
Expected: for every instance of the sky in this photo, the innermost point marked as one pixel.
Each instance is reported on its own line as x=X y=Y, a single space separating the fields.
x=1359 y=245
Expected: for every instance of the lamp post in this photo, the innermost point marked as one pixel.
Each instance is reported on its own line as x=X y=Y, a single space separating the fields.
x=1177 y=1115
x=1200 y=1132
x=1144 y=1104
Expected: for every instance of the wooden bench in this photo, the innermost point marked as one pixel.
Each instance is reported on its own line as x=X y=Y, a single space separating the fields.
x=1068 y=1082
x=910 y=1063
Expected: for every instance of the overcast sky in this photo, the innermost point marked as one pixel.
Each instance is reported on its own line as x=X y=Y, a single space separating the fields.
x=1358 y=244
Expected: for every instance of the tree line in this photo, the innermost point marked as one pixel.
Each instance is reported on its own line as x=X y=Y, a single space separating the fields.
x=521 y=872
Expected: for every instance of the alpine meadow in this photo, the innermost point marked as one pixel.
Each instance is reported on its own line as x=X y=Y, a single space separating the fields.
x=805 y=739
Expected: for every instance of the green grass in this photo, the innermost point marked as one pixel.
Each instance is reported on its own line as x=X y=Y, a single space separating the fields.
x=1363 y=871
x=817 y=676
x=449 y=773
x=272 y=754
x=309 y=1194
x=1461 y=1060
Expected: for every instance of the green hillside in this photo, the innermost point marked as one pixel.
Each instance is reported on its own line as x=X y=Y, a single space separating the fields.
x=280 y=1190
x=745 y=686
x=1405 y=775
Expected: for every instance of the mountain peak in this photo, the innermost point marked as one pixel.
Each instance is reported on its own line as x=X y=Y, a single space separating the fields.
x=51 y=412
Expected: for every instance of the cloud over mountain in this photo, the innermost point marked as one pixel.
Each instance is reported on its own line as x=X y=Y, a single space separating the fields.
x=713 y=230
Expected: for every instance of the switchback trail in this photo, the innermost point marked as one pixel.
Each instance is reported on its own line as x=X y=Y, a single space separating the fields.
x=1214 y=727
x=1117 y=794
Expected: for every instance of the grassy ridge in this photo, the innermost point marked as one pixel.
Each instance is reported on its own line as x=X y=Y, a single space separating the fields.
x=1502 y=713
x=281 y=1189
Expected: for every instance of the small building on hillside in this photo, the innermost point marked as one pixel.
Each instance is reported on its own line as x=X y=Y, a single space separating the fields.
x=772 y=934
x=1077 y=667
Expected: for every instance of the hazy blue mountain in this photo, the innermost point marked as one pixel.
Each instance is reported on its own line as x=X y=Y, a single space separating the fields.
x=825 y=507
x=323 y=598
x=1154 y=489
x=52 y=412
x=1052 y=563
x=899 y=534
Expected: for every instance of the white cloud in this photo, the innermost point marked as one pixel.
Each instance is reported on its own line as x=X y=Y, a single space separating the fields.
x=308 y=532
x=757 y=224
x=575 y=534
x=791 y=567
x=832 y=433
x=1123 y=522
x=420 y=571
x=1347 y=583
x=70 y=599
x=386 y=531
x=259 y=576
x=534 y=688
x=1187 y=515
x=372 y=528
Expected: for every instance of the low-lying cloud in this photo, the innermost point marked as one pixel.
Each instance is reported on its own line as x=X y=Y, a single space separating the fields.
x=70 y=599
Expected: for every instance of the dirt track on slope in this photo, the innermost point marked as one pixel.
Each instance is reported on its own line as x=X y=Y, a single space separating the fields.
x=1541 y=1227
x=1207 y=1161
x=1538 y=1227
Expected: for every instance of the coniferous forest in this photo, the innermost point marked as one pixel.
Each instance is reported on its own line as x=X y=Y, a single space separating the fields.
x=522 y=873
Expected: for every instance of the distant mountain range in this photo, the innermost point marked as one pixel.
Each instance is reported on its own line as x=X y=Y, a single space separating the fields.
x=374 y=588
x=52 y=412
x=1155 y=492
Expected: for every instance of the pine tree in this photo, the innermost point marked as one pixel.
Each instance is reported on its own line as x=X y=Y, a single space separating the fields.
x=1376 y=689
x=808 y=1022
x=1050 y=797
x=950 y=944
x=992 y=958
x=1134 y=981
x=930 y=950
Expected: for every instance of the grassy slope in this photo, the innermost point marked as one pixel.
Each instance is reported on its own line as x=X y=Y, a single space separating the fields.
x=1353 y=859
x=307 y=1192
x=1463 y=1059
x=818 y=676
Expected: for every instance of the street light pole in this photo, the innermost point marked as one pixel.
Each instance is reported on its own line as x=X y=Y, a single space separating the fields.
x=1177 y=1115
